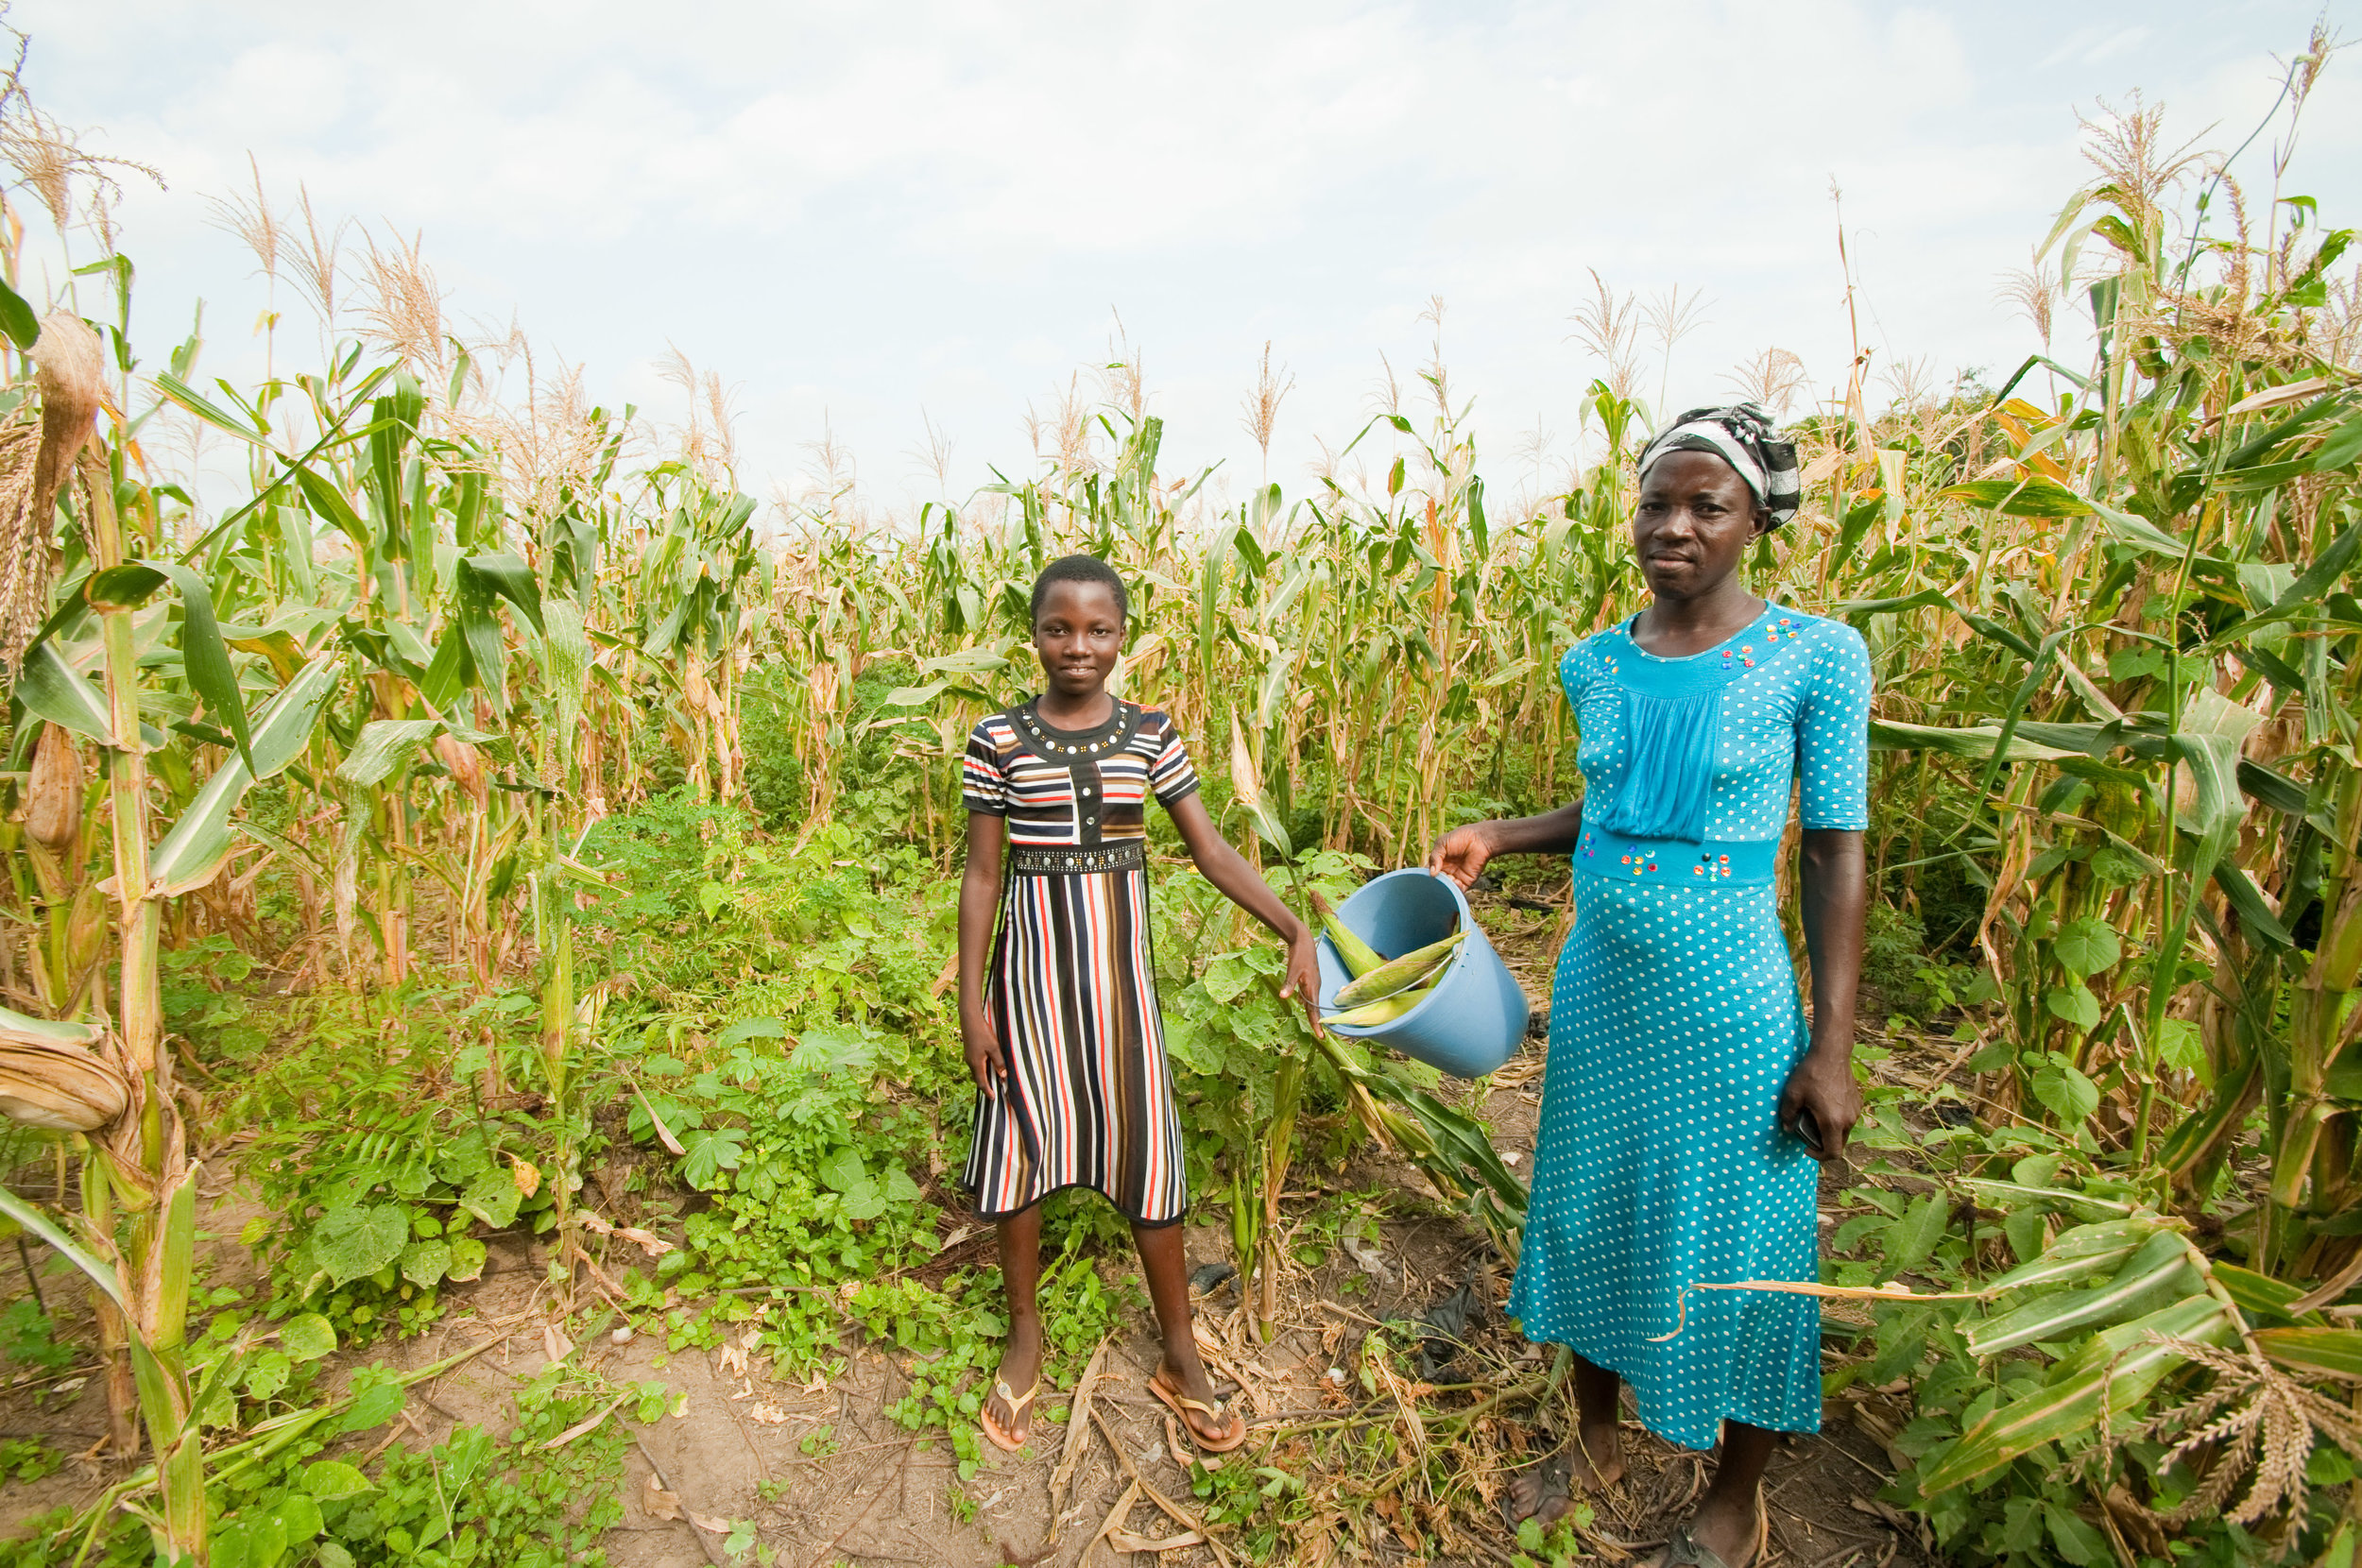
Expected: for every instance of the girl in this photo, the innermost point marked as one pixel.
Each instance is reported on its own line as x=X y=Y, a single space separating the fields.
x=1058 y=1009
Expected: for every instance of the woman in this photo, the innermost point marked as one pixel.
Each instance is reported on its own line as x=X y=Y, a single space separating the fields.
x=1058 y=1009
x=1686 y=1099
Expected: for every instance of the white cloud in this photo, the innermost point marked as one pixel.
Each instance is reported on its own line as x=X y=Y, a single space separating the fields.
x=860 y=211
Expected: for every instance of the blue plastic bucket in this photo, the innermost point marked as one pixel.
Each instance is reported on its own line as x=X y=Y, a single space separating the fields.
x=1476 y=1017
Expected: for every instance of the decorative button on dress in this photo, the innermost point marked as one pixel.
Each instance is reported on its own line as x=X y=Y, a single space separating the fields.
x=1674 y=1022
x=1071 y=990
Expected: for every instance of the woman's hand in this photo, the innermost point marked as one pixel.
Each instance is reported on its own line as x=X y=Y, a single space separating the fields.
x=1303 y=982
x=1821 y=1087
x=1461 y=854
x=988 y=1058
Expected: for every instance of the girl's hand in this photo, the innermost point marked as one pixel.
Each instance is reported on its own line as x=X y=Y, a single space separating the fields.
x=1303 y=983
x=1461 y=854
x=988 y=1058
x=1820 y=1096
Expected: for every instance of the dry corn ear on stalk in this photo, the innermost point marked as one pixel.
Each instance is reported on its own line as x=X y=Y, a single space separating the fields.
x=53 y=796
x=50 y=1077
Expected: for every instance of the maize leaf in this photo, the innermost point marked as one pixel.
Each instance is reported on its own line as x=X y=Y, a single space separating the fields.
x=52 y=690
x=2260 y=1296
x=99 y=1272
x=2084 y=1250
x=17 y=1030
x=383 y=745
x=1972 y=742
x=192 y=854
x=2054 y=1316
x=503 y=573
x=285 y=727
x=2334 y=1351
x=2119 y=1366
x=205 y=659
x=2014 y=1193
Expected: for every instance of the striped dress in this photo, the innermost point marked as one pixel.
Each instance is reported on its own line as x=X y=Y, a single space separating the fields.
x=1071 y=990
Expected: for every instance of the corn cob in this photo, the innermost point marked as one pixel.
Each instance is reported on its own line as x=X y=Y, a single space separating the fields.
x=1385 y=1011
x=1357 y=955
x=1397 y=974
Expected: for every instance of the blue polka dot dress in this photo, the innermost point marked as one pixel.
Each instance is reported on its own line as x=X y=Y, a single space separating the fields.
x=1674 y=1022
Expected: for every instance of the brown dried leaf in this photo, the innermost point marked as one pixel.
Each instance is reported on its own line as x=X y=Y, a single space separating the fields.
x=554 y=1342
x=1124 y=1541
x=658 y=1502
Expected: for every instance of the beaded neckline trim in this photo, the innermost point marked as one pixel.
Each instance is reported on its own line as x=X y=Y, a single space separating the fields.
x=1058 y=746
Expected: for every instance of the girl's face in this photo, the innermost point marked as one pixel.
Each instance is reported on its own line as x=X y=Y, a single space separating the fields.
x=1694 y=522
x=1079 y=635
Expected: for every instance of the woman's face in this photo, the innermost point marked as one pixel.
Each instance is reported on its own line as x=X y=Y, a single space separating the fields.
x=1079 y=635
x=1694 y=522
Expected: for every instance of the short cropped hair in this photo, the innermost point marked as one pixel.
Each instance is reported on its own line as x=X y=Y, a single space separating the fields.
x=1081 y=569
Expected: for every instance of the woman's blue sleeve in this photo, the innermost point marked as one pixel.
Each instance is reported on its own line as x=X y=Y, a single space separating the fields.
x=1833 y=733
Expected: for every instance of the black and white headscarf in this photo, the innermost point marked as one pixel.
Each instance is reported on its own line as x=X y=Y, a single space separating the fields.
x=1742 y=435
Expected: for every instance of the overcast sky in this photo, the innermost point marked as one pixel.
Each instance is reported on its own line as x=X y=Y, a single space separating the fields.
x=858 y=214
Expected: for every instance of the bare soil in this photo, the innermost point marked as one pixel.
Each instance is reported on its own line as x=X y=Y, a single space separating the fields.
x=887 y=1495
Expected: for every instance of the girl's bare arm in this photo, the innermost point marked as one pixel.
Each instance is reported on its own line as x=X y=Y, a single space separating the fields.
x=1228 y=869
x=980 y=898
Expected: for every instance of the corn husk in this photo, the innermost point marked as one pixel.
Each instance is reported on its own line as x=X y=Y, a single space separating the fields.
x=87 y=925
x=1398 y=974
x=70 y=370
x=51 y=1076
x=465 y=765
x=1357 y=955
x=1385 y=1011
x=53 y=796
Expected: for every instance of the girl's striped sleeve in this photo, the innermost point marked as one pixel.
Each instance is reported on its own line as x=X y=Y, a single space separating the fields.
x=1170 y=774
x=983 y=772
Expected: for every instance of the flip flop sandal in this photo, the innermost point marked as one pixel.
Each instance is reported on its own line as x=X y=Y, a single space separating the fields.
x=1181 y=1404
x=1017 y=1404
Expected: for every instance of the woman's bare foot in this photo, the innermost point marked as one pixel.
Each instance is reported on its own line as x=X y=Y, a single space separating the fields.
x=1591 y=1463
x=1731 y=1530
x=1020 y=1370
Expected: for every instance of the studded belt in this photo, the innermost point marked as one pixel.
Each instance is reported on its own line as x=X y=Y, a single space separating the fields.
x=1717 y=863
x=1065 y=860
